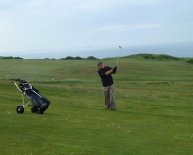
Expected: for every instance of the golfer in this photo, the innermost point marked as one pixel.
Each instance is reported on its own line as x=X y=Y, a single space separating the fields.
x=105 y=72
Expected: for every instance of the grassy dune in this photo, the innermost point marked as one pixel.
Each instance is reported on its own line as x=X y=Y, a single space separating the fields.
x=154 y=113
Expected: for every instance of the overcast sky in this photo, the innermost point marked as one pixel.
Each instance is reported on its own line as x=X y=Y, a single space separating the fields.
x=40 y=27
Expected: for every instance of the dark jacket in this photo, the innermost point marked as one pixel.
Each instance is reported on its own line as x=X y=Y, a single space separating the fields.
x=107 y=80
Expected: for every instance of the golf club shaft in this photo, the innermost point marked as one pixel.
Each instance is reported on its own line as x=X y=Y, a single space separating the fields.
x=117 y=60
x=118 y=56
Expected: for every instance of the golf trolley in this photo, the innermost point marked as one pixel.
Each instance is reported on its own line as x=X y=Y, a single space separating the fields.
x=38 y=103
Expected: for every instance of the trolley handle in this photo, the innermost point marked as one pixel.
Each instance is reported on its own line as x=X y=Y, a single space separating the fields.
x=17 y=87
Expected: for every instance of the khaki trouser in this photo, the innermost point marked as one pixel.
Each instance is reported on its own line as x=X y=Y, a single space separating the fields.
x=109 y=93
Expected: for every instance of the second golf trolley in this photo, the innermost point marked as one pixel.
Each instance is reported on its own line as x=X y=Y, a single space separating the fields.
x=37 y=102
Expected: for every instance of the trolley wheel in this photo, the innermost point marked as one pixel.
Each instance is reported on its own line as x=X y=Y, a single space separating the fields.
x=40 y=111
x=20 y=109
x=44 y=107
x=33 y=109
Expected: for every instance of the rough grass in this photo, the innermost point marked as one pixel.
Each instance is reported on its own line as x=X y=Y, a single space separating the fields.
x=153 y=117
x=190 y=61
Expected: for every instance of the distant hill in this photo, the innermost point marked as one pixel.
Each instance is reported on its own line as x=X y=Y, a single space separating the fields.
x=10 y=57
x=134 y=56
x=79 y=58
x=153 y=56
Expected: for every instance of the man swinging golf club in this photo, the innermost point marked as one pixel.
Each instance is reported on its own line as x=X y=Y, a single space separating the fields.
x=105 y=72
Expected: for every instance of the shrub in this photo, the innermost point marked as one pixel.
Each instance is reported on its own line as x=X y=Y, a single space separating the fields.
x=190 y=61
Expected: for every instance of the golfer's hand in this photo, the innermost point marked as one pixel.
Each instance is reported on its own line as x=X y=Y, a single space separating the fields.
x=115 y=69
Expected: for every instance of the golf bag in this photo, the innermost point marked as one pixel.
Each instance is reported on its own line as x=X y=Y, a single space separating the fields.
x=38 y=103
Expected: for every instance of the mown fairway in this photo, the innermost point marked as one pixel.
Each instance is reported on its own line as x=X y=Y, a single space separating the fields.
x=154 y=113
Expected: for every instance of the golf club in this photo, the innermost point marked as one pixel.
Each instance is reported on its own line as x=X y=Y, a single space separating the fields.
x=118 y=55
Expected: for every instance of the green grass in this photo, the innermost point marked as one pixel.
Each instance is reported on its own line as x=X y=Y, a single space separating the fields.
x=154 y=113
